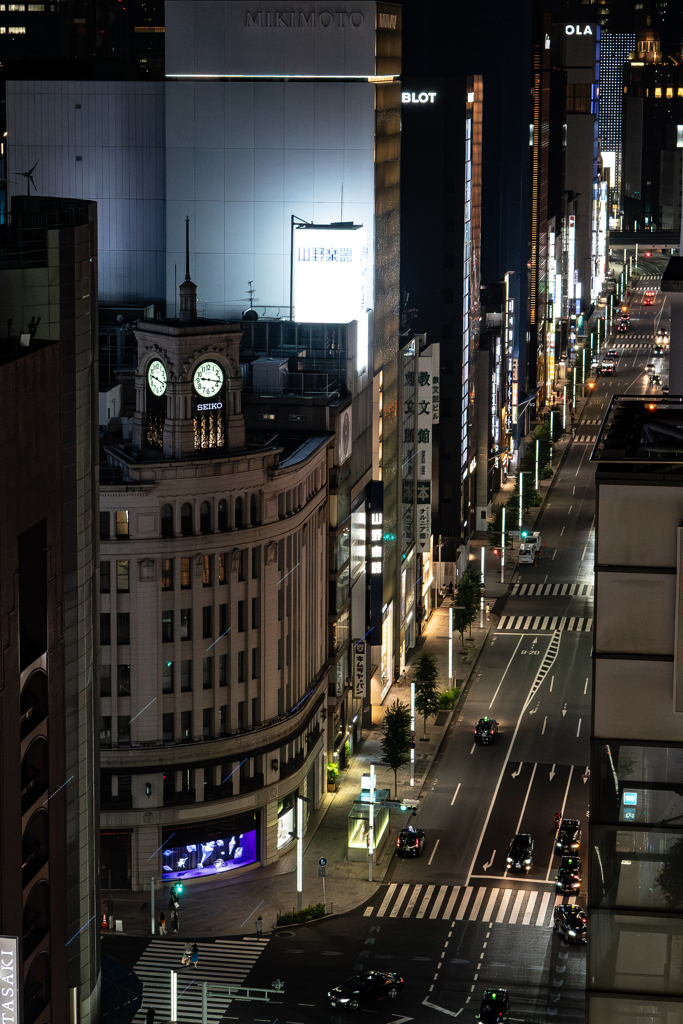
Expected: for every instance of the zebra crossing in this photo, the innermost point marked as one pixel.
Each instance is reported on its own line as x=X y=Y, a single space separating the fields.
x=590 y=423
x=467 y=903
x=553 y=589
x=548 y=623
x=585 y=439
x=631 y=344
x=225 y=960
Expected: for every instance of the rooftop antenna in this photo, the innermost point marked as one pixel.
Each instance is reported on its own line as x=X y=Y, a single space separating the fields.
x=29 y=177
x=188 y=290
x=341 y=205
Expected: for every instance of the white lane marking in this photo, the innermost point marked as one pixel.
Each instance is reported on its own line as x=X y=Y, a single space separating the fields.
x=478 y=902
x=529 y=908
x=399 y=900
x=554 y=553
x=433 y=852
x=439 y=900
x=425 y=901
x=578 y=729
x=387 y=900
x=459 y=784
x=561 y=531
x=490 y=905
x=521 y=814
x=451 y=902
x=517 y=906
x=368 y=911
x=570 y=509
x=505 y=672
x=545 y=722
x=544 y=906
x=474 y=746
x=586 y=686
x=413 y=899
x=552 y=680
x=463 y=903
x=507 y=893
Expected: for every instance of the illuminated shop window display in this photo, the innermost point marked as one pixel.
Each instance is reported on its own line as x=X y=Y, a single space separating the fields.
x=285 y=821
x=218 y=850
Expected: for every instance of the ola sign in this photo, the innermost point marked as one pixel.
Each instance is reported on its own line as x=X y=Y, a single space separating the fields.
x=578 y=30
x=418 y=97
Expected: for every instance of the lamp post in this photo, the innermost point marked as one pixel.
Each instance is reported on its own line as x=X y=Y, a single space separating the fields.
x=521 y=497
x=483 y=586
x=412 y=698
x=537 y=458
x=564 y=410
x=371 y=835
x=502 y=557
x=450 y=661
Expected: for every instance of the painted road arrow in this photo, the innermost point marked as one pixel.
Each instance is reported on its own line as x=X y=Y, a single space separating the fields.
x=552 y=773
x=487 y=866
x=515 y=774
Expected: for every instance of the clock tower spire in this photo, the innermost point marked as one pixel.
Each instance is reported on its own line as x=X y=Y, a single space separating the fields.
x=188 y=290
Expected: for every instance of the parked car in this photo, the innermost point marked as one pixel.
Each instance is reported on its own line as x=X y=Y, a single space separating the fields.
x=410 y=842
x=570 y=921
x=365 y=988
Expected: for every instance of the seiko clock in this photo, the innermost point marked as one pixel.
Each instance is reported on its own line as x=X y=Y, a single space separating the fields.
x=208 y=379
x=156 y=377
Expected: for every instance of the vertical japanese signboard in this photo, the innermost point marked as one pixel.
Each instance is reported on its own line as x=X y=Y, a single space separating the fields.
x=424 y=420
x=359 y=669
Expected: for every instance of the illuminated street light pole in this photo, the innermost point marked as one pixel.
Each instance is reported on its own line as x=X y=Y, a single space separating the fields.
x=483 y=584
x=564 y=411
x=450 y=656
x=299 y=852
x=502 y=552
x=521 y=497
x=412 y=698
x=537 y=458
x=371 y=836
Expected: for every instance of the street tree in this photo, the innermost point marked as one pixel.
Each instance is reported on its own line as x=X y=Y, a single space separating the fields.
x=468 y=596
x=426 y=679
x=396 y=738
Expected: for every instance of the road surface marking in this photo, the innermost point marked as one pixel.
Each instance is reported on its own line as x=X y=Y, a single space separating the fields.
x=554 y=553
x=487 y=866
x=529 y=908
x=505 y=672
x=564 y=804
x=413 y=900
x=451 y=902
x=545 y=722
x=478 y=902
x=578 y=729
x=490 y=905
x=463 y=903
x=552 y=680
x=507 y=893
x=459 y=784
x=474 y=747
x=399 y=900
x=561 y=531
x=425 y=901
x=387 y=900
x=368 y=911
x=517 y=907
x=433 y=852
x=526 y=798
x=544 y=906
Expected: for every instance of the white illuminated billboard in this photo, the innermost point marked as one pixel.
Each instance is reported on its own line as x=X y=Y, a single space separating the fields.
x=331 y=278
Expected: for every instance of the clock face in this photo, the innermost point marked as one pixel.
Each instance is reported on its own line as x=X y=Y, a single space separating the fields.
x=156 y=377
x=208 y=379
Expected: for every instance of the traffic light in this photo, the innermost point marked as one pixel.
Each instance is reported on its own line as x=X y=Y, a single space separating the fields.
x=496 y=551
x=524 y=533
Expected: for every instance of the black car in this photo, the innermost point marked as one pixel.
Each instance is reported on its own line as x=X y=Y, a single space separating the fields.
x=569 y=836
x=658 y=350
x=410 y=842
x=568 y=878
x=570 y=922
x=365 y=988
x=485 y=731
x=495 y=1006
x=606 y=369
x=611 y=353
x=622 y=328
x=520 y=852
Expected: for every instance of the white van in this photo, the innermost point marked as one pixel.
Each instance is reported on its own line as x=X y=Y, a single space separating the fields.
x=527 y=554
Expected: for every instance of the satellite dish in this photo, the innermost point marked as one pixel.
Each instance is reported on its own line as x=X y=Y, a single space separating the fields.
x=250 y=314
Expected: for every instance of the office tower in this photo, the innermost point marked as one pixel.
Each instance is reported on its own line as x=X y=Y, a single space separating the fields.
x=441 y=183
x=49 y=861
x=615 y=48
x=636 y=834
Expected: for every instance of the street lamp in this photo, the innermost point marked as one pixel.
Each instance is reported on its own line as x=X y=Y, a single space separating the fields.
x=371 y=836
x=502 y=555
x=537 y=457
x=412 y=698
x=483 y=585
x=450 y=660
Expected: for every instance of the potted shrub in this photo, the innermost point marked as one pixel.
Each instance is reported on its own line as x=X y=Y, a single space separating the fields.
x=332 y=773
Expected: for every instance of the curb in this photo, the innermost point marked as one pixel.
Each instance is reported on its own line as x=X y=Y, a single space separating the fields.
x=302 y=924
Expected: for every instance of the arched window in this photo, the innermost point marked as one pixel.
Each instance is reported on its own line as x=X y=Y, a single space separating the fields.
x=239 y=515
x=34 y=773
x=167 y=521
x=36 y=917
x=252 y=510
x=35 y=848
x=36 y=987
x=33 y=702
x=205 y=517
x=186 y=525
x=222 y=515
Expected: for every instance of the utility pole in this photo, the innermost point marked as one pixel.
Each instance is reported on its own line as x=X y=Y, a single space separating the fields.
x=502 y=559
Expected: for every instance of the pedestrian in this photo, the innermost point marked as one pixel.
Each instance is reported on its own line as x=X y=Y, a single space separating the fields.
x=150 y=1015
x=259 y=926
x=558 y=819
x=175 y=923
x=187 y=953
x=162 y=923
x=488 y=611
x=194 y=956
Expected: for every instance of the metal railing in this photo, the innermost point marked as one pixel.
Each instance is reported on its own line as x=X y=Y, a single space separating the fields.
x=246 y=994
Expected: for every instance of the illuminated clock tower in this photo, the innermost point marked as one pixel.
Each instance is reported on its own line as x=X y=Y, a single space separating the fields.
x=188 y=384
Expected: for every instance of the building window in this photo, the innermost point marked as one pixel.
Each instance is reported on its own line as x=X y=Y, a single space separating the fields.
x=222 y=619
x=206 y=571
x=222 y=578
x=167 y=521
x=207 y=673
x=185 y=726
x=207 y=723
x=167 y=627
x=669 y=92
x=252 y=510
x=255 y=715
x=185 y=676
x=123 y=577
x=222 y=670
x=123 y=730
x=105 y=731
x=105 y=629
x=17 y=30
x=679 y=91
x=241 y=674
x=122 y=525
x=167 y=677
x=185 y=578
x=104 y=526
x=223 y=713
x=254 y=613
x=105 y=577
x=240 y=617
x=242 y=565
x=658 y=93
x=240 y=715
x=185 y=623
x=123 y=681
x=167 y=574
x=167 y=727
x=239 y=516
x=255 y=562
x=222 y=515
x=254 y=663
x=207 y=622
x=105 y=680
x=186 y=526
x=123 y=629
x=205 y=517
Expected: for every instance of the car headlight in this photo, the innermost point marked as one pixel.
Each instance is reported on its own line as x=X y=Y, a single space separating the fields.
x=572 y=934
x=509 y=860
x=527 y=860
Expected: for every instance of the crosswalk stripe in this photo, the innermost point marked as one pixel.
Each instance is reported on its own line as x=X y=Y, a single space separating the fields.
x=399 y=900
x=478 y=902
x=564 y=589
x=543 y=908
x=571 y=623
x=490 y=905
x=529 y=908
x=412 y=901
x=589 y=625
x=527 y=622
x=547 y=624
x=440 y=896
x=463 y=903
x=517 y=907
x=536 y=622
x=572 y=590
x=451 y=902
x=556 y=589
x=425 y=901
x=387 y=900
x=507 y=893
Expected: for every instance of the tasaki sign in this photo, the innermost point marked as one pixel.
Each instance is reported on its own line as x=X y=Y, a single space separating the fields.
x=9 y=1003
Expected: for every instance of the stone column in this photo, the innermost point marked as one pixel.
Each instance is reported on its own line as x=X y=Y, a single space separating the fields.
x=672 y=288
